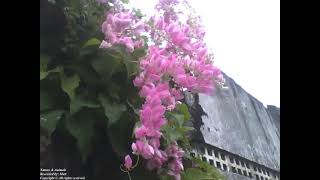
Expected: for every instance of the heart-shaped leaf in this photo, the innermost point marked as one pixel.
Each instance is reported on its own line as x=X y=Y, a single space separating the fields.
x=69 y=84
x=82 y=128
x=50 y=119
x=80 y=102
x=112 y=110
x=46 y=102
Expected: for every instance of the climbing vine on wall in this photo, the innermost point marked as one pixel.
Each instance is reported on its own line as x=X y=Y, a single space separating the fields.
x=112 y=84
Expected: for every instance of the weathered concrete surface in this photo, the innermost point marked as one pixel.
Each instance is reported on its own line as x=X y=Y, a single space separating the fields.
x=274 y=112
x=233 y=176
x=237 y=122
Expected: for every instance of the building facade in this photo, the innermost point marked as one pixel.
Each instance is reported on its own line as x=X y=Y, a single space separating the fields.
x=236 y=133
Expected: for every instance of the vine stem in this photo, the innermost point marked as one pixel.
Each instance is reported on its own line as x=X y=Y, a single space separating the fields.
x=129 y=175
x=128 y=170
x=136 y=162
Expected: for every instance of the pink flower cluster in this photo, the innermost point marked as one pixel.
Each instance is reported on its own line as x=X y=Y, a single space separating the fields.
x=175 y=165
x=182 y=63
x=178 y=61
x=122 y=28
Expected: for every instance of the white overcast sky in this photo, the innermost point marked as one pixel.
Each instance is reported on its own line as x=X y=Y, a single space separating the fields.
x=245 y=38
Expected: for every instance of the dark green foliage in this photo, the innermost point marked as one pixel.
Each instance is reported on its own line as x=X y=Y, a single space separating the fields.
x=88 y=104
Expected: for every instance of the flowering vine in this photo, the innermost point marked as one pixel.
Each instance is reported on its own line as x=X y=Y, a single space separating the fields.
x=177 y=60
x=113 y=81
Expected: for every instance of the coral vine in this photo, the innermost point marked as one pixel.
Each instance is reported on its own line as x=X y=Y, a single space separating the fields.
x=177 y=61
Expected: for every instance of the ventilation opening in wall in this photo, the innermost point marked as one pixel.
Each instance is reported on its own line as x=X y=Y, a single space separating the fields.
x=261 y=177
x=225 y=168
x=233 y=169
x=209 y=152
x=218 y=165
x=222 y=156
x=242 y=164
x=211 y=162
x=237 y=162
x=257 y=177
x=259 y=170
x=245 y=173
x=255 y=168
x=247 y=164
x=239 y=171
x=216 y=154
x=202 y=150
x=250 y=175
x=231 y=160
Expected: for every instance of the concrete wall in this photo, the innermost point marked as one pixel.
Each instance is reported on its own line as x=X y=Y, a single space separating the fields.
x=233 y=176
x=237 y=122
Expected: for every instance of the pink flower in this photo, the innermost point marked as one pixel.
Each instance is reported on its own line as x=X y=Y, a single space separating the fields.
x=128 y=162
x=175 y=165
x=105 y=44
x=139 y=44
x=127 y=41
x=157 y=161
x=142 y=131
x=119 y=27
x=138 y=81
x=143 y=148
x=177 y=94
x=152 y=117
x=177 y=61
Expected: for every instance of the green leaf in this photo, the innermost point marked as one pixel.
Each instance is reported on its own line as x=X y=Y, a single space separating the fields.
x=43 y=75
x=80 y=102
x=57 y=69
x=113 y=90
x=179 y=118
x=184 y=129
x=175 y=129
x=170 y=134
x=175 y=118
x=206 y=168
x=167 y=177
x=196 y=174
x=50 y=119
x=87 y=74
x=112 y=110
x=120 y=134
x=183 y=108
x=82 y=128
x=131 y=65
x=75 y=4
x=128 y=60
x=106 y=66
x=137 y=12
x=92 y=42
x=125 y=1
x=91 y=47
x=44 y=60
x=46 y=101
x=69 y=84
x=138 y=53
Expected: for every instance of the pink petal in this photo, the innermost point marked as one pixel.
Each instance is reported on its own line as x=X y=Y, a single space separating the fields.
x=128 y=162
